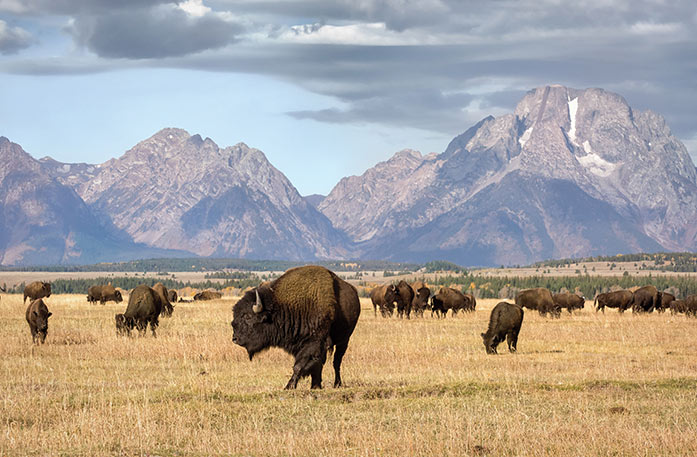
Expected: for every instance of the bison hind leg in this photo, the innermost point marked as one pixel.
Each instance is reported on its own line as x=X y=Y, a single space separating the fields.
x=338 y=357
x=512 y=340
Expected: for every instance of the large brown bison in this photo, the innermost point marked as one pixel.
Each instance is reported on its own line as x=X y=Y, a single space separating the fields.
x=305 y=312
x=37 y=315
x=143 y=309
x=383 y=298
x=446 y=299
x=421 y=295
x=404 y=297
x=619 y=299
x=504 y=322
x=162 y=295
x=666 y=299
x=36 y=290
x=569 y=301
x=103 y=294
x=208 y=295
x=645 y=299
x=539 y=299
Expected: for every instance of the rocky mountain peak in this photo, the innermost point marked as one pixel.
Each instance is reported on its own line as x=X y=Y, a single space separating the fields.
x=561 y=150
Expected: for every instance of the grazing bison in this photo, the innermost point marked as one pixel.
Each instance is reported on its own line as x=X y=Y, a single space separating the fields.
x=305 y=312
x=37 y=316
x=645 y=299
x=172 y=296
x=103 y=294
x=666 y=300
x=504 y=322
x=404 y=297
x=678 y=306
x=208 y=295
x=383 y=298
x=470 y=303
x=143 y=308
x=690 y=306
x=569 y=301
x=162 y=295
x=36 y=290
x=539 y=299
x=448 y=298
x=619 y=299
x=421 y=295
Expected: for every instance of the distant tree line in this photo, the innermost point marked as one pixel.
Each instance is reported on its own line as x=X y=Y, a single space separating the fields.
x=80 y=286
x=659 y=261
x=589 y=286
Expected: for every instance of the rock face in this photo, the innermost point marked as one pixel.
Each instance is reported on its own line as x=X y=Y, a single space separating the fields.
x=569 y=173
x=45 y=222
x=178 y=191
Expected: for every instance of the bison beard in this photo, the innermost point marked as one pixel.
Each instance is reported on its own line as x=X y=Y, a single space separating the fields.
x=306 y=311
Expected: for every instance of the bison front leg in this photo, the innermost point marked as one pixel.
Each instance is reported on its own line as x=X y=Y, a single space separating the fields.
x=309 y=362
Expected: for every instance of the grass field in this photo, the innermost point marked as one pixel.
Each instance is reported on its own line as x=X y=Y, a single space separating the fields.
x=589 y=384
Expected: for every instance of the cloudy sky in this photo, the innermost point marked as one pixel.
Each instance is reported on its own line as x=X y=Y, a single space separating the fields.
x=324 y=88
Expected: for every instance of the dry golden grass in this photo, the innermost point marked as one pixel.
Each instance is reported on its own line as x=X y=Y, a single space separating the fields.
x=582 y=385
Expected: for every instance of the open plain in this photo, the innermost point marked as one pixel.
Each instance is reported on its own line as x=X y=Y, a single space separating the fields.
x=587 y=384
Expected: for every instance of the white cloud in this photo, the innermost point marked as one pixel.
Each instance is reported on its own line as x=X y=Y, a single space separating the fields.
x=364 y=34
x=194 y=8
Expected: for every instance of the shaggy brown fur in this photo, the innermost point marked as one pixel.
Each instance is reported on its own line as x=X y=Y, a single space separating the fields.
x=208 y=295
x=37 y=315
x=383 y=298
x=162 y=294
x=306 y=311
x=504 y=322
x=103 y=294
x=143 y=308
x=36 y=290
x=539 y=299
x=619 y=299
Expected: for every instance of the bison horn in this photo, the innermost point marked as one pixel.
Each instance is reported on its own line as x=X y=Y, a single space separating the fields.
x=258 y=306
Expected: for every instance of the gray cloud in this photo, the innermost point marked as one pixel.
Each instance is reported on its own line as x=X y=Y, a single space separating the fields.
x=13 y=39
x=153 y=33
x=475 y=58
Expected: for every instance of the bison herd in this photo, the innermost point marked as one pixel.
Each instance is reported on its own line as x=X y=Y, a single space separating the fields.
x=310 y=312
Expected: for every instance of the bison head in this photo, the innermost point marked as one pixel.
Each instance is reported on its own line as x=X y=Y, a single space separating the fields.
x=490 y=343
x=124 y=324
x=117 y=297
x=46 y=288
x=252 y=323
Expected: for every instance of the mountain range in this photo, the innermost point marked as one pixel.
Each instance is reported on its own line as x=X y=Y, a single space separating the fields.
x=569 y=173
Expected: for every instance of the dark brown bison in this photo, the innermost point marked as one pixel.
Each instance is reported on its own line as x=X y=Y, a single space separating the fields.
x=690 y=306
x=421 y=295
x=143 y=308
x=448 y=298
x=678 y=306
x=37 y=315
x=504 y=322
x=645 y=299
x=172 y=296
x=162 y=295
x=36 y=290
x=208 y=295
x=666 y=300
x=404 y=297
x=539 y=299
x=470 y=303
x=619 y=299
x=306 y=312
x=383 y=298
x=569 y=301
x=103 y=294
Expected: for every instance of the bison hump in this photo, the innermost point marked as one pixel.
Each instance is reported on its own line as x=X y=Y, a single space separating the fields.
x=307 y=290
